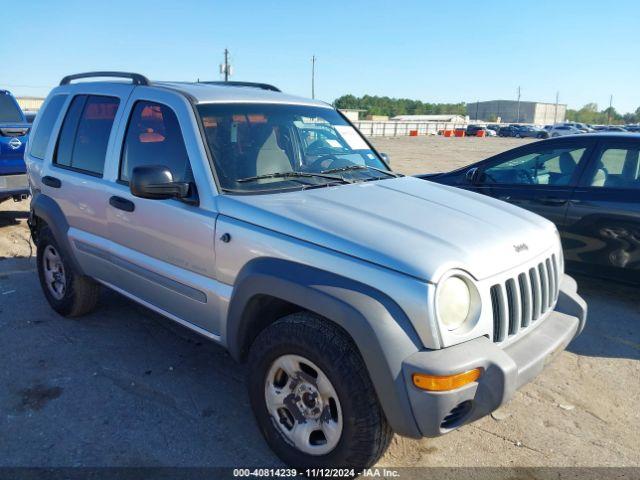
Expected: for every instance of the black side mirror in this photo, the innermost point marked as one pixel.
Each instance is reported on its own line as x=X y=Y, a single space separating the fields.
x=472 y=175
x=156 y=182
x=386 y=158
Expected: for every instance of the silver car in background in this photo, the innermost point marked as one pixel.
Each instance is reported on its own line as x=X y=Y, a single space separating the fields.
x=562 y=130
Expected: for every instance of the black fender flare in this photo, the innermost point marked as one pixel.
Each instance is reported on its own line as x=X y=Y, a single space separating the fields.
x=379 y=328
x=48 y=210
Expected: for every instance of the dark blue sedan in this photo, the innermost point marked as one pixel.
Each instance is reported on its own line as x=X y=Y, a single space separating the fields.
x=588 y=185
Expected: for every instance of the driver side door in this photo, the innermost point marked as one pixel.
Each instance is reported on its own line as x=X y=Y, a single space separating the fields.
x=540 y=177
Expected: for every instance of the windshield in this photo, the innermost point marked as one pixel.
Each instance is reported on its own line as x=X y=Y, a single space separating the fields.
x=9 y=110
x=269 y=147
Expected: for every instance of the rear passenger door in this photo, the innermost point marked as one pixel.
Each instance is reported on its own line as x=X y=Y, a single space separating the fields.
x=603 y=219
x=163 y=250
x=75 y=176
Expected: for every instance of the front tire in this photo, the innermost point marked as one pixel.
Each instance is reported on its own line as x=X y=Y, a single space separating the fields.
x=312 y=397
x=69 y=293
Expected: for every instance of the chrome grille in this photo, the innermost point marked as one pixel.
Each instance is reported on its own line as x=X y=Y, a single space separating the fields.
x=521 y=300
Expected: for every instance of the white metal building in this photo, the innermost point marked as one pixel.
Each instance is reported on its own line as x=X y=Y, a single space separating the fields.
x=448 y=118
x=30 y=103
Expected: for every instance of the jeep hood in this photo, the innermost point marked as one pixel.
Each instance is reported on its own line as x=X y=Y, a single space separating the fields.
x=413 y=226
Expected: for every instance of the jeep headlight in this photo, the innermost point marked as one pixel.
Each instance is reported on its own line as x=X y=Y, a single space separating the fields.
x=457 y=301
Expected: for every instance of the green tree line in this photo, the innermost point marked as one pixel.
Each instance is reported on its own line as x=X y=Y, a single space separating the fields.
x=374 y=105
x=590 y=114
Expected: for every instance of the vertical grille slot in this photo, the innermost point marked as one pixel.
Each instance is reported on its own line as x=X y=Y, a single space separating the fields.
x=552 y=282
x=513 y=302
x=526 y=301
x=535 y=293
x=556 y=276
x=544 y=287
x=499 y=314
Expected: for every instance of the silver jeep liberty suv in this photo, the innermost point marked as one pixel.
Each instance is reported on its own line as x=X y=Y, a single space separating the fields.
x=365 y=302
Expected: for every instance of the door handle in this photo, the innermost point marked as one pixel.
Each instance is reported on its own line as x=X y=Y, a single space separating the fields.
x=553 y=200
x=52 y=182
x=122 y=204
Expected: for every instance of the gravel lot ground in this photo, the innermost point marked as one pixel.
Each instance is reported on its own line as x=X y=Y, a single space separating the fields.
x=412 y=155
x=126 y=387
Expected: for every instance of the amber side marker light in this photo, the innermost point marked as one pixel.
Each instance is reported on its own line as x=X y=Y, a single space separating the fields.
x=437 y=383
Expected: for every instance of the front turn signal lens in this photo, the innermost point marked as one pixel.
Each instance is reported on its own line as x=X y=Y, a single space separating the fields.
x=437 y=383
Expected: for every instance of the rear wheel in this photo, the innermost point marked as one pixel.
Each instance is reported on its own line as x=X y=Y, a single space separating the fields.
x=312 y=396
x=68 y=292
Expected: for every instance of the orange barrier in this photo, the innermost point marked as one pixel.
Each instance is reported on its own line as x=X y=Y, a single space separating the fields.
x=481 y=133
x=413 y=133
x=459 y=133
x=447 y=133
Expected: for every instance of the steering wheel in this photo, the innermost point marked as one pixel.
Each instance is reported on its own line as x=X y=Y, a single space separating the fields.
x=526 y=177
x=320 y=163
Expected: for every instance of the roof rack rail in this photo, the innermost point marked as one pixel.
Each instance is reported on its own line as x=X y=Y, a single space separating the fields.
x=263 y=86
x=136 y=78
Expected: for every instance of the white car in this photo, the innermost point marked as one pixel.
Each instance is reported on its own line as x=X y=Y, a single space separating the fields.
x=561 y=130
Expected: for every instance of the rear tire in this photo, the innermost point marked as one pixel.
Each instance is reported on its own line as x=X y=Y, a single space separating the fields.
x=315 y=345
x=69 y=293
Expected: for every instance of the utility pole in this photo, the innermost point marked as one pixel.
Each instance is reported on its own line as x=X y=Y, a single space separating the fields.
x=555 y=113
x=477 y=106
x=226 y=64
x=609 y=111
x=313 y=76
x=225 y=68
x=518 y=119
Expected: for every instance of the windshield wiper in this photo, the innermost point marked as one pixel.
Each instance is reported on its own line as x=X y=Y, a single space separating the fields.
x=295 y=175
x=362 y=167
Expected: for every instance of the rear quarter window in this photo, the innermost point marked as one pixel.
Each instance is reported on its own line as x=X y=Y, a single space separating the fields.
x=84 y=136
x=40 y=138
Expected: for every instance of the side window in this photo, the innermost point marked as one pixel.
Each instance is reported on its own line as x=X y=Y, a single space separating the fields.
x=154 y=138
x=617 y=168
x=545 y=167
x=85 y=133
x=40 y=138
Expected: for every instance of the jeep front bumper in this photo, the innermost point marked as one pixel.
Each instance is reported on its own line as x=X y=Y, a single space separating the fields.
x=505 y=369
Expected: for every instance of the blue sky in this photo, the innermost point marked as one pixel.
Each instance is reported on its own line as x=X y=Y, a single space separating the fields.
x=434 y=51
